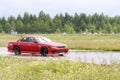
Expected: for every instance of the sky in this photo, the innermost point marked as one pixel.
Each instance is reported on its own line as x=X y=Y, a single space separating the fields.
x=53 y=7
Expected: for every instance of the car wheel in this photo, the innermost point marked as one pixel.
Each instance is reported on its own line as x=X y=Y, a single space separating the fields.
x=16 y=51
x=44 y=51
x=61 y=54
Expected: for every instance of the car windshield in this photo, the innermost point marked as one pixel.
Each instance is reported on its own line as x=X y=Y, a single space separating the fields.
x=43 y=39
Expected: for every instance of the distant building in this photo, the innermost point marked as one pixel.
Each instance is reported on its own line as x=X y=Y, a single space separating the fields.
x=13 y=32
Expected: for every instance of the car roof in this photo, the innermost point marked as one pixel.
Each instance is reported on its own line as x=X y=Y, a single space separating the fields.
x=33 y=36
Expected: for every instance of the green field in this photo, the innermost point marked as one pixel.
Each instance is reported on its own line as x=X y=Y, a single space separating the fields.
x=12 y=68
x=110 y=42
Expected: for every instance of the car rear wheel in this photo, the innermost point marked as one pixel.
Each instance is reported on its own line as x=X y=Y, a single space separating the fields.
x=44 y=51
x=16 y=51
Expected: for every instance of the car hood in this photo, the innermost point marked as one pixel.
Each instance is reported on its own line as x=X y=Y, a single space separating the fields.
x=54 y=44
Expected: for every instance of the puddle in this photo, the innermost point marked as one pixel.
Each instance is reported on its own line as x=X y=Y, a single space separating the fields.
x=97 y=57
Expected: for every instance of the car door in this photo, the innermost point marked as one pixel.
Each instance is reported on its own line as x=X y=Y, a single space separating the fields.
x=23 y=44
x=32 y=45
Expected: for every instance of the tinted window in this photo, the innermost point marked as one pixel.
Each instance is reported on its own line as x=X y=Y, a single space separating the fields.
x=24 y=39
x=30 y=39
x=27 y=39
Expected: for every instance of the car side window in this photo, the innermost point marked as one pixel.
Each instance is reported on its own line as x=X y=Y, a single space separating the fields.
x=27 y=39
x=30 y=39
x=24 y=39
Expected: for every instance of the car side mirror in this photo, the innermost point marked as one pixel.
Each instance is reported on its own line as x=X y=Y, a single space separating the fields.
x=35 y=42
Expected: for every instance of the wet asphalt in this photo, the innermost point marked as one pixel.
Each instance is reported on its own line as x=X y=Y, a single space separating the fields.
x=96 y=57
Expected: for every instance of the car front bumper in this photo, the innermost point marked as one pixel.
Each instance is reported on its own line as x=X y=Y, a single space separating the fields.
x=58 y=51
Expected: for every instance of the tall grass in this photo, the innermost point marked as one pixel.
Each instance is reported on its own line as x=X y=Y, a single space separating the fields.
x=109 y=42
x=28 y=69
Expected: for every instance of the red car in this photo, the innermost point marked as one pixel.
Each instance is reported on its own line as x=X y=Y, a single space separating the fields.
x=37 y=45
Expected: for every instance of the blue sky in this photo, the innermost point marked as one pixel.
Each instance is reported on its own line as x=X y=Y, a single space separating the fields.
x=53 y=7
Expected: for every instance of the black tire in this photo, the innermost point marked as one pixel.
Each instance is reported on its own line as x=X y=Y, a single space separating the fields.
x=61 y=54
x=16 y=51
x=44 y=51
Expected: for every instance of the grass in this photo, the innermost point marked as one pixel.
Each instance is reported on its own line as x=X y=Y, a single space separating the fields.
x=12 y=68
x=107 y=42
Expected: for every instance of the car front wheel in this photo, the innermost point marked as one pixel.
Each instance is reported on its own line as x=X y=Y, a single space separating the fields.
x=16 y=51
x=44 y=51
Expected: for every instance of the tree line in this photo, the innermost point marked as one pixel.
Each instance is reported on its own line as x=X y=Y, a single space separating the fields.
x=60 y=23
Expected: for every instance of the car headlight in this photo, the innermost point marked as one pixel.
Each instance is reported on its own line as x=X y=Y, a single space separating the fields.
x=54 y=47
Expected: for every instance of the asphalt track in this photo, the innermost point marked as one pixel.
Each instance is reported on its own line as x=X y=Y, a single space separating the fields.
x=97 y=57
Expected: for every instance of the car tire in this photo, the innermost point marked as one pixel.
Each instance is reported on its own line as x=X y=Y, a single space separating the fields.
x=16 y=51
x=44 y=51
x=61 y=55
